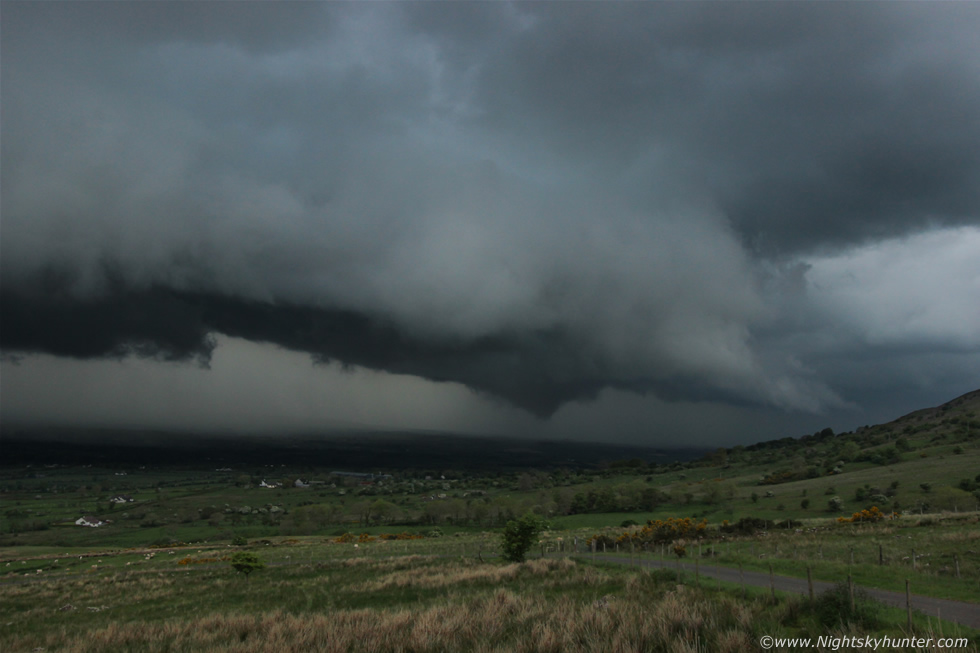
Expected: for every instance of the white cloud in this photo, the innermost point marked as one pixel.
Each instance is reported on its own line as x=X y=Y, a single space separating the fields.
x=922 y=291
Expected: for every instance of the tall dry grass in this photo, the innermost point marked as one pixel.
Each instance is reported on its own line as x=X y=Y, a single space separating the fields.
x=682 y=620
x=541 y=606
x=457 y=573
x=498 y=621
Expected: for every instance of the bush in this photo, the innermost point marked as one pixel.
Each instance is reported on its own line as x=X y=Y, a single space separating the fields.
x=518 y=536
x=878 y=499
x=833 y=608
x=239 y=540
x=747 y=525
x=245 y=562
x=602 y=542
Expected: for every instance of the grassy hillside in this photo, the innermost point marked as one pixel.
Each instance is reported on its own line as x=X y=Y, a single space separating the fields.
x=415 y=603
x=157 y=575
x=925 y=463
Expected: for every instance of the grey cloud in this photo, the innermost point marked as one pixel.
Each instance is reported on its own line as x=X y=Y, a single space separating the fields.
x=536 y=200
x=807 y=123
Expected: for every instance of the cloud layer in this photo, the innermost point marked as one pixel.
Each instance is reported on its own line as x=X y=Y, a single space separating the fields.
x=715 y=202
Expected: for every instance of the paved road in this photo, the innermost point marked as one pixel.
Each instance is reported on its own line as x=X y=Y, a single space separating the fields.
x=961 y=612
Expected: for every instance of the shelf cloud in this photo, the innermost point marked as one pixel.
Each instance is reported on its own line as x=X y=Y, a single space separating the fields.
x=725 y=204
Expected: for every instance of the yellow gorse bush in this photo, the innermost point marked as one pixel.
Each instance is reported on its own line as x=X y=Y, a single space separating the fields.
x=658 y=531
x=872 y=514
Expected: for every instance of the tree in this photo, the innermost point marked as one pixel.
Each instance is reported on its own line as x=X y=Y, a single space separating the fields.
x=245 y=562
x=518 y=536
x=383 y=510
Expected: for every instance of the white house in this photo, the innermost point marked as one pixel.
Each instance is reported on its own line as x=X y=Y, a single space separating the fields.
x=93 y=522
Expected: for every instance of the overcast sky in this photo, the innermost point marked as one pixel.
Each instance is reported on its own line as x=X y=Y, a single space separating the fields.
x=670 y=223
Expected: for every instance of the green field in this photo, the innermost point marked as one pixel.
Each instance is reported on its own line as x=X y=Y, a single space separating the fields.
x=311 y=598
x=328 y=566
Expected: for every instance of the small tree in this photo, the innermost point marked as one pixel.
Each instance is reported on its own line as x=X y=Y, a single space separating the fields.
x=518 y=536
x=245 y=562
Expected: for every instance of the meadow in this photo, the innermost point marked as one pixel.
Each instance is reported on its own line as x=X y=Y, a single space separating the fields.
x=409 y=559
x=373 y=602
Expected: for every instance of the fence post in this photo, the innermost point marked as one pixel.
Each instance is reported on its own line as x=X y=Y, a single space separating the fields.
x=697 y=572
x=850 y=592
x=913 y=559
x=809 y=582
x=741 y=576
x=772 y=586
x=881 y=556
x=956 y=561
x=908 y=604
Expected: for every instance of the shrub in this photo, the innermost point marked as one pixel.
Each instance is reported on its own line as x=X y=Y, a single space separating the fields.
x=747 y=525
x=604 y=542
x=239 y=540
x=833 y=607
x=878 y=499
x=835 y=504
x=245 y=562
x=518 y=536
x=872 y=514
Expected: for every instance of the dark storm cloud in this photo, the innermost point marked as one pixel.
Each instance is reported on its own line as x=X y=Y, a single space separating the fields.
x=807 y=123
x=536 y=200
x=175 y=326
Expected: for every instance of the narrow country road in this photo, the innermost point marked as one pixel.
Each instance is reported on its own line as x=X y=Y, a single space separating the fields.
x=967 y=614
